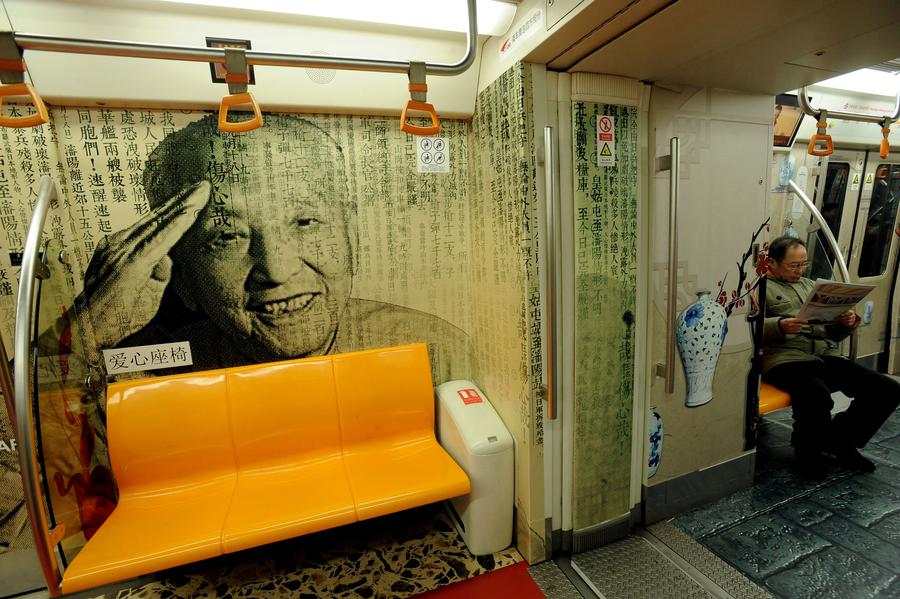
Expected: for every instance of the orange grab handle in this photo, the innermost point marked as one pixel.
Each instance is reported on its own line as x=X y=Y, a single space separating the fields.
x=239 y=126
x=885 y=148
x=31 y=120
x=828 y=150
x=415 y=130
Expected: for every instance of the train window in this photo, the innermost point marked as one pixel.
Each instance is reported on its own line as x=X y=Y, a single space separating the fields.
x=788 y=117
x=880 y=221
x=832 y=205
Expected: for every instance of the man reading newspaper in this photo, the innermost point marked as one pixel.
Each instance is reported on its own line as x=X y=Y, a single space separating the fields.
x=804 y=326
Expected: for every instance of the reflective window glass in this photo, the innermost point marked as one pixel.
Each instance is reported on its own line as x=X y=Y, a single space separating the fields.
x=832 y=206
x=879 y=232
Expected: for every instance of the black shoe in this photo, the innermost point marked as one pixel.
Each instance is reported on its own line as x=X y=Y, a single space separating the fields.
x=849 y=456
x=811 y=465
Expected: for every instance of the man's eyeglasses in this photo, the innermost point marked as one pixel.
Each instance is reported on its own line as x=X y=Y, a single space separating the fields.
x=796 y=265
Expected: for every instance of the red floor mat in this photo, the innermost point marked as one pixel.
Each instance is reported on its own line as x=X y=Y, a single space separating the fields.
x=511 y=581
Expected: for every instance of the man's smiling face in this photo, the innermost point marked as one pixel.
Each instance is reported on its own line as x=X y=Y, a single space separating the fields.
x=270 y=257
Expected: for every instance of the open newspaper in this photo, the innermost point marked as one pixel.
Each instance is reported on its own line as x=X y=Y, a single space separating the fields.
x=830 y=299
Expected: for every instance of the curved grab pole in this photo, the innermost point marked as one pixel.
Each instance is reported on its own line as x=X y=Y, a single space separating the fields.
x=32 y=268
x=846 y=116
x=48 y=43
x=832 y=242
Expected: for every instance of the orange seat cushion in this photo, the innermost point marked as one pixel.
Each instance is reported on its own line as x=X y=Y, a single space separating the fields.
x=287 y=442
x=228 y=459
x=151 y=533
x=386 y=404
x=170 y=448
x=772 y=398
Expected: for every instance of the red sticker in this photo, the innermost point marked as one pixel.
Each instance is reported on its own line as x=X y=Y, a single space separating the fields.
x=469 y=396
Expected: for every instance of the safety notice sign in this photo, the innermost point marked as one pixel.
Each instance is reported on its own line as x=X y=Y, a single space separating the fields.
x=869 y=183
x=606 y=141
x=433 y=155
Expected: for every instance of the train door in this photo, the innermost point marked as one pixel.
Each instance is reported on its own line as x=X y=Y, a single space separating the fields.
x=873 y=256
x=837 y=199
x=725 y=146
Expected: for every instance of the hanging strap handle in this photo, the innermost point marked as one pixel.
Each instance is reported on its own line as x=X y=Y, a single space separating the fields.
x=885 y=147
x=237 y=78
x=821 y=137
x=12 y=74
x=418 y=91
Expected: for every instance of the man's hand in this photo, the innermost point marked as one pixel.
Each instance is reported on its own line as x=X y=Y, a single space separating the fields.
x=790 y=326
x=849 y=319
x=132 y=267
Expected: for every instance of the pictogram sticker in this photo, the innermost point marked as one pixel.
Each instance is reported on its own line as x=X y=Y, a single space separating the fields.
x=606 y=140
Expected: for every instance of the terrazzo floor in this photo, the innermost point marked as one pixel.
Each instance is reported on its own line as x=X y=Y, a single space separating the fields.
x=798 y=539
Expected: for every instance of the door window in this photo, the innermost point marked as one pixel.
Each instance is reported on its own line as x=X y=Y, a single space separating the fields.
x=832 y=205
x=879 y=232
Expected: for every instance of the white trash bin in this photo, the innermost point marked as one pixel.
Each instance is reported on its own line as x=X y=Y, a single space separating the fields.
x=471 y=431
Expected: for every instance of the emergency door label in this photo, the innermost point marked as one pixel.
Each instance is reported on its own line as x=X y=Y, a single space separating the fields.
x=433 y=155
x=469 y=396
x=606 y=141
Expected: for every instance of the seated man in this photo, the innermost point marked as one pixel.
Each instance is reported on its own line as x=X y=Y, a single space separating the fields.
x=804 y=360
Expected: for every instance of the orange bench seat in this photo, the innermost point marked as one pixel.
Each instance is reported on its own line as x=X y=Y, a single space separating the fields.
x=218 y=461
x=772 y=398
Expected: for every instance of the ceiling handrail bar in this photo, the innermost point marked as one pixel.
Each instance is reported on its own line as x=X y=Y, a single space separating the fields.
x=49 y=43
x=846 y=116
x=32 y=269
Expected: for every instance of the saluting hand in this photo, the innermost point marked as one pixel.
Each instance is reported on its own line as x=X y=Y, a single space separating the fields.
x=133 y=264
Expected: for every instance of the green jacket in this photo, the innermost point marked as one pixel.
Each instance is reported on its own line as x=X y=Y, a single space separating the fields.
x=783 y=300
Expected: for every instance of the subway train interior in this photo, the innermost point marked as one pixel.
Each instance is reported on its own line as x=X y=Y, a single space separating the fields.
x=457 y=298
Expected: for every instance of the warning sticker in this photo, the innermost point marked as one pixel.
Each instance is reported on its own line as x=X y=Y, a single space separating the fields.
x=469 y=396
x=869 y=183
x=854 y=183
x=606 y=141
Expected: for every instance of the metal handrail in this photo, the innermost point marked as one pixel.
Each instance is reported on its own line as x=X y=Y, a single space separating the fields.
x=832 y=242
x=552 y=254
x=671 y=164
x=846 y=116
x=32 y=268
x=48 y=43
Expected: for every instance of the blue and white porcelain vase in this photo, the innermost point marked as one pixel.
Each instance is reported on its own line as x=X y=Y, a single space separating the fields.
x=655 y=430
x=700 y=331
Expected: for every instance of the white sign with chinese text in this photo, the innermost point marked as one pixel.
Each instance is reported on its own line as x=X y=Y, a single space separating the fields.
x=606 y=140
x=527 y=28
x=147 y=357
x=433 y=155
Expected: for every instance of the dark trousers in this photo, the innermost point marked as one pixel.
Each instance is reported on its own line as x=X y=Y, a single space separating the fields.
x=810 y=385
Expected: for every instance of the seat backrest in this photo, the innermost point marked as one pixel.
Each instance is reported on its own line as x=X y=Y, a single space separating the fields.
x=168 y=431
x=282 y=413
x=384 y=394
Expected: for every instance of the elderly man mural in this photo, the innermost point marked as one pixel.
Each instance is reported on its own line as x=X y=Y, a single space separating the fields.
x=249 y=254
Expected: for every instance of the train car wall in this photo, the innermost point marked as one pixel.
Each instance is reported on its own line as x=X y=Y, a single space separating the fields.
x=605 y=229
x=505 y=306
x=398 y=255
